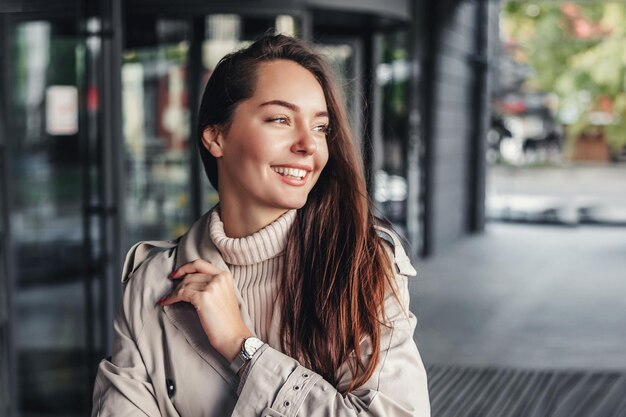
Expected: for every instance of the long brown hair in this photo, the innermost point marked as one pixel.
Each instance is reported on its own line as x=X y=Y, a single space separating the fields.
x=336 y=272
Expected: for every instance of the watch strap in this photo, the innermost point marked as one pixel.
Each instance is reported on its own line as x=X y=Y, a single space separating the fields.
x=238 y=363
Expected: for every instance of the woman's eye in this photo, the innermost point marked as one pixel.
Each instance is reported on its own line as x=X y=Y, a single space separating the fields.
x=325 y=129
x=280 y=120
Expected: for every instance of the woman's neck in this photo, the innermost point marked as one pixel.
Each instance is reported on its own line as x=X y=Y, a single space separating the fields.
x=240 y=221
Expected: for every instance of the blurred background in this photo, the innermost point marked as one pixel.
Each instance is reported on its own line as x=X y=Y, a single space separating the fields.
x=494 y=138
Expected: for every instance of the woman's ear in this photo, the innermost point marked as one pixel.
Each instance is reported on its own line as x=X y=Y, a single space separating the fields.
x=212 y=139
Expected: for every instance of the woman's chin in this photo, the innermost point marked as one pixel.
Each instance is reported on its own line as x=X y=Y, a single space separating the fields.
x=292 y=203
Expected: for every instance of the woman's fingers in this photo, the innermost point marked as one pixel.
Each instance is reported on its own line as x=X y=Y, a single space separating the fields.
x=195 y=277
x=194 y=282
x=213 y=294
x=186 y=291
x=187 y=294
x=199 y=265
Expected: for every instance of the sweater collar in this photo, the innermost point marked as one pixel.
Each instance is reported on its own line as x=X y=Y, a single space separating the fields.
x=260 y=246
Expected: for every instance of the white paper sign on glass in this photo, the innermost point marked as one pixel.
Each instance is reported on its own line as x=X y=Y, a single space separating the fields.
x=62 y=110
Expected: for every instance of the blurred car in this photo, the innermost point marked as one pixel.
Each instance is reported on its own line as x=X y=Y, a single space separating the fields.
x=525 y=129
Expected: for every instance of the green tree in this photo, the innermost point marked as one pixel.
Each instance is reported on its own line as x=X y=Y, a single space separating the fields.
x=577 y=50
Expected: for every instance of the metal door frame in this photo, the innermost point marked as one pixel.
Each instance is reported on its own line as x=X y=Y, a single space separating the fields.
x=5 y=189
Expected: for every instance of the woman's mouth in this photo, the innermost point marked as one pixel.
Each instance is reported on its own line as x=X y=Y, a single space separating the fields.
x=290 y=172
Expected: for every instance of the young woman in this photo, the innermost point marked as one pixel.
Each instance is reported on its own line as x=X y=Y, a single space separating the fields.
x=287 y=298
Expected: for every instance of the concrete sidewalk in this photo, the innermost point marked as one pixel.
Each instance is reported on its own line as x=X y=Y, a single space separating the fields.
x=523 y=296
x=568 y=194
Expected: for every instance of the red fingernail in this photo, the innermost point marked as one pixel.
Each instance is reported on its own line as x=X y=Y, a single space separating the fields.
x=172 y=274
x=160 y=302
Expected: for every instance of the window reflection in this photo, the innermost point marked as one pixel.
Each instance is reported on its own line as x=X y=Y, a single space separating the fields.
x=392 y=80
x=341 y=56
x=156 y=126
x=47 y=219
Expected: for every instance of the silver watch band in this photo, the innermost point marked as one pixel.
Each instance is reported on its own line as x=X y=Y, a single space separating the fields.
x=238 y=363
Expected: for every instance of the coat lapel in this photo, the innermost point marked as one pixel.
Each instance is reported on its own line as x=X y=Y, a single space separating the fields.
x=196 y=244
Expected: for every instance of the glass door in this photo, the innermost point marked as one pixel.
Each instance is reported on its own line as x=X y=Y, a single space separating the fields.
x=53 y=242
x=156 y=126
x=391 y=90
x=376 y=95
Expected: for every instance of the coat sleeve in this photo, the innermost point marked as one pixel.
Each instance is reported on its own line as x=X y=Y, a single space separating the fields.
x=277 y=385
x=123 y=387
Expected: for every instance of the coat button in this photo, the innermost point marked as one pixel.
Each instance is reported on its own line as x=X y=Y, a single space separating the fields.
x=171 y=388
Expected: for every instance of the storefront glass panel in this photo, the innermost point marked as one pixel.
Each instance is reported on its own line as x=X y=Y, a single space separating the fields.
x=343 y=58
x=51 y=257
x=156 y=126
x=392 y=80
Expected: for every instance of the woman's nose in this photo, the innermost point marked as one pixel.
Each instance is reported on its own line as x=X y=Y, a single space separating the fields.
x=305 y=142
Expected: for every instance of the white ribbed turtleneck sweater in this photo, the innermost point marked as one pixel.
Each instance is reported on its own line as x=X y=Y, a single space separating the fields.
x=256 y=264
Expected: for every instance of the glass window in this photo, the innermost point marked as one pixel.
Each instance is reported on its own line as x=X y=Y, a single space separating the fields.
x=342 y=56
x=392 y=80
x=47 y=218
x=156 y=128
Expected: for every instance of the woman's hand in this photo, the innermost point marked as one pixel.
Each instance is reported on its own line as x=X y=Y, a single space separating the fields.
x=212 y=293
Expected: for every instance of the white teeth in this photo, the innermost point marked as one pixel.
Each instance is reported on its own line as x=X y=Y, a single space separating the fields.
x=290 y=172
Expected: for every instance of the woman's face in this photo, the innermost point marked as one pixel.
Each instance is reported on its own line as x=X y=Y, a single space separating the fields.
x=275 y=149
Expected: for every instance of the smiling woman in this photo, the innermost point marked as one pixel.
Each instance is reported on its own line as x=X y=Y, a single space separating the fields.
x=273 y=150
x=283 y=299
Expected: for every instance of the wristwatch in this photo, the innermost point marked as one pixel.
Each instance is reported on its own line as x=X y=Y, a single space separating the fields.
x=248 y=348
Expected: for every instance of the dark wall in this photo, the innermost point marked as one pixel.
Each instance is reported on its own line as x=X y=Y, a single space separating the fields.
x=455 y=109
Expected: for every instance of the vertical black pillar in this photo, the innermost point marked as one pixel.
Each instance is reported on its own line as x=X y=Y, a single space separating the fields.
x=112 y=163
x=194 y=89
x=415 y=133
x=430 y=22
x=479 y=115
x=7 y=352
x=92 y=210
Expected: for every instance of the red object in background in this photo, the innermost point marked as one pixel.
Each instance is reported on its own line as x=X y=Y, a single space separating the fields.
x=513 y=107
x=605 y=104
x=93 y=99
x=579 y=25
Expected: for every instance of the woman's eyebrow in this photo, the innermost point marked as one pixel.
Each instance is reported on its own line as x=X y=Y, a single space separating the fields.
x=291 y=107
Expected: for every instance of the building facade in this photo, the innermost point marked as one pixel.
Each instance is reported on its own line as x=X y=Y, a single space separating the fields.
x=97 y=148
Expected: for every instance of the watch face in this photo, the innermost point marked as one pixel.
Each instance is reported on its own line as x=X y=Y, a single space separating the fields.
x=251 y=345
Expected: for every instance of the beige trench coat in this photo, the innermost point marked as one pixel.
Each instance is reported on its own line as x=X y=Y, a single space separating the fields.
x=163 y=365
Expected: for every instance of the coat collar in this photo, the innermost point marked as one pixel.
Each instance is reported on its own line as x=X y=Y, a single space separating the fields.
x=196 y=244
